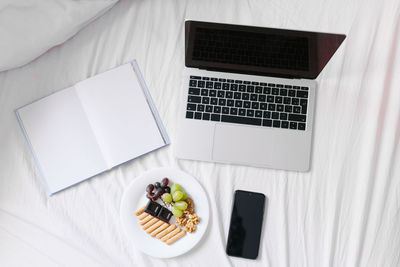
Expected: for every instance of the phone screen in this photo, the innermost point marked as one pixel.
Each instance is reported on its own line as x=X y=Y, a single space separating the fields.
x=246 y=223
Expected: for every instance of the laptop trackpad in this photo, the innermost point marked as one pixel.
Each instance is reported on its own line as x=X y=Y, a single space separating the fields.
x=242 y=144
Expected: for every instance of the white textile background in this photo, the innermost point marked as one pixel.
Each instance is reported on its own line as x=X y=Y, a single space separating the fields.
x=344 y=212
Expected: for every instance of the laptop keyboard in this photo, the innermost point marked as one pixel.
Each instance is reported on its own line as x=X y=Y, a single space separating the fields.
x=245 y=102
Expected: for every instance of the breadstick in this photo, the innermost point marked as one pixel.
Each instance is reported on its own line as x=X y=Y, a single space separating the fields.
x=176 y=237
x=165 y=238
x=159 y=229
x=166 y=231
x=154 y=226
x=140 y=211
x=142 y=216
x=150 y=223
x=146 y=219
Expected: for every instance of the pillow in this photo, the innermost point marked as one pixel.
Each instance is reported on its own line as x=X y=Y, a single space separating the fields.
x=28 y=28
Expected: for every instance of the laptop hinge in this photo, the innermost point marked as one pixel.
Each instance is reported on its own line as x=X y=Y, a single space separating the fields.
x=253 y=73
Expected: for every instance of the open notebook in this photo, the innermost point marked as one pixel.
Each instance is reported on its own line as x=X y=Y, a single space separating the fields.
x=91 y=127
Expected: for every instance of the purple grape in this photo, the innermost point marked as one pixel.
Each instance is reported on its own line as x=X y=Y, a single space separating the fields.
x=164 y=182
x=157 y=185
x=150 y=188
x=167 y=189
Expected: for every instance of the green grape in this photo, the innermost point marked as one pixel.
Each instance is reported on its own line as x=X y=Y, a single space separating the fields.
x=166 y=197
x=175 y=187
x=177 y=195
x=182 y=205
x=184 y=197
x=177 y=212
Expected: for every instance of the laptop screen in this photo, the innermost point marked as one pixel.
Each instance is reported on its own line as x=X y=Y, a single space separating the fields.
x=255 y=50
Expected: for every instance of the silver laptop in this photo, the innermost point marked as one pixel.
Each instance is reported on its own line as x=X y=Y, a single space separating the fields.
x=248 y=94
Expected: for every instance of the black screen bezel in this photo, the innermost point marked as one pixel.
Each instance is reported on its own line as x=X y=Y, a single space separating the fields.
x=238 y=196
x=315 y=51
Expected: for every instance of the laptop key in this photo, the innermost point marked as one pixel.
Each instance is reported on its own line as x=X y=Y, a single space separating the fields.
x=242 y=88
x=263 y=106
x=295 y=101
x=246 y=104
x=214 y=101
x=237 y=95
x=230 y=102
x=245 y=96
x=278 y=99
x=250 y=113
x=215 y=117
x=275 y=91
x=267 y=114
x=225 y=86
x=228 y=94
x=241 y=120
x=258 y=89
x=303 y=94
x=209 y=85
x=288 y=108
x=222 y=102
x=271 y=107
x=267 y=123
x=197 y=115
x=275 y=115
x=225 y=110
x=204 y=92
x=270 y=99
x=276 y=124
x=287 y=100
x=212 y=93
x=191 y=106
x=221 y=93
x=283 y=92
x=194 y=99
x=238 y=103
x=283 y=116
x=296 y=109
x=253 y=97
x=292 y=93
x=189 y=114
x=217 y=85
x=262 y=98
x=267 y=90
x=279 y=107
x=209 y=108
x=234 y=111
x=297 y=117
x=206 y=116
x=195 y=77
x=234 y=87
x=242 y=112
x=205 y=100
x=284 y=124
x=255 y=105
x=258 y=114
x=217 y=109
x=250 y=88
x=201 y=84
x=200 y=107
x=193 y=83
x=194 y=91
x=301 y=126
x=293 y=125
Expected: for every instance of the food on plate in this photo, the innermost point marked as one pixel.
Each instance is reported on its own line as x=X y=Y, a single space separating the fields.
x=189 y=218
x=164 y=214
x=152 y=208
x=166 y=231
x=171 y=234
x=175 y=237
x=154 y=217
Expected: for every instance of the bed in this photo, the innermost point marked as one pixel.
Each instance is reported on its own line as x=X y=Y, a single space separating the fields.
x=344 y=212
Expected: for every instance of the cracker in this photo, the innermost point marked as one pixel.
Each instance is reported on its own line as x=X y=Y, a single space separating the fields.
x=140 y=211
x=142 y=216
x=175 y=237
x=166 y=231
x=154 y=226
x=150 y=223
x=146 y=219
x=168 y=236
x=159 y=229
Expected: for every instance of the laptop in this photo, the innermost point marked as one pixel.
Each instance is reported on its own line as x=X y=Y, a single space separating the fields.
x=248 y=94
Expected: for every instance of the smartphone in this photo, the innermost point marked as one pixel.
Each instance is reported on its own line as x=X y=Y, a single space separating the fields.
x=246 y=223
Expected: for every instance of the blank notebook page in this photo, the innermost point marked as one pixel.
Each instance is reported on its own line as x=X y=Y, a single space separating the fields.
x=119 y=115
x=61 y=138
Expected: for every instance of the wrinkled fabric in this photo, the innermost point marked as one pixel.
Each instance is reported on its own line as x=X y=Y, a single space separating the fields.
x=344 y=212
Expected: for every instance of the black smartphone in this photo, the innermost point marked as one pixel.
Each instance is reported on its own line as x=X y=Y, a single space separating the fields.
x=246 y=223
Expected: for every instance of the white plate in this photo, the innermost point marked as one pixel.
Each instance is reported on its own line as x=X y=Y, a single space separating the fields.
x=134 y=198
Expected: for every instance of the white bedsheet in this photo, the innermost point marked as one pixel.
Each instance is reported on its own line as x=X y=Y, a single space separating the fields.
x=344 y=212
